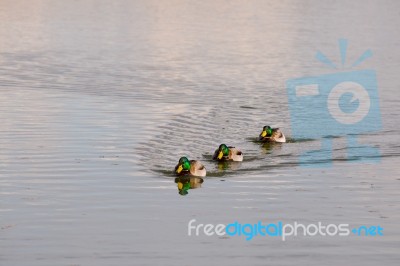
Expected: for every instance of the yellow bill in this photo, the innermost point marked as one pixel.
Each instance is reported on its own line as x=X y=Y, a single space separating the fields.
x=264 y=133
x=220 y=154
x=180 y=168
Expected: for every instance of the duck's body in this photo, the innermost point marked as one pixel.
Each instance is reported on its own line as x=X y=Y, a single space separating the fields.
x=272 y=135
x=224 y=153
x=197 y=169
x=192 y=167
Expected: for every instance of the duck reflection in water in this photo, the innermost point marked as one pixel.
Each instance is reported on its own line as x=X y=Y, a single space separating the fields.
x=268 y=147
x=188 y=182
x=228 y=165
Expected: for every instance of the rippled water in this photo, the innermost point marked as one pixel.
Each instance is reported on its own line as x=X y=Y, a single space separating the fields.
x=99 y=99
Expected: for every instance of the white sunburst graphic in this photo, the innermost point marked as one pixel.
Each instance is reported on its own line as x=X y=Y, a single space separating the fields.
x=358 y=92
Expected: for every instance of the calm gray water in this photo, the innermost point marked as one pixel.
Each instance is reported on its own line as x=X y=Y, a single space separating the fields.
x=99 y=99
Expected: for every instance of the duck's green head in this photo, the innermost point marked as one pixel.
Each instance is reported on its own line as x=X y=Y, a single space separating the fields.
x=184 y=164
x=223 y=150
x=267 y=131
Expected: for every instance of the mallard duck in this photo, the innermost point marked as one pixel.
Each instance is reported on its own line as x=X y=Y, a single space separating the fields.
x=194 y=168
x=228 y=153
x=271 y=135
